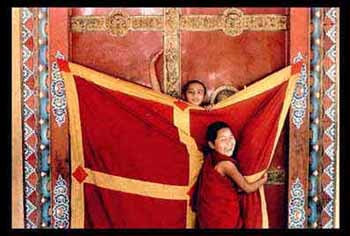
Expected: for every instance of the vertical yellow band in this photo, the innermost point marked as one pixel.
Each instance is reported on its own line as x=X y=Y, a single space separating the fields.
x=182 y=122
x=265 y=216
x=77 y=155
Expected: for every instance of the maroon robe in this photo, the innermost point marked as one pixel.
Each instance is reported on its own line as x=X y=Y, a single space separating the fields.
x=217 y=197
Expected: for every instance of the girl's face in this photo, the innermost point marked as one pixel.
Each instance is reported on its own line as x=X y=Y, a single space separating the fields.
x=224 y=143
x=195 y=94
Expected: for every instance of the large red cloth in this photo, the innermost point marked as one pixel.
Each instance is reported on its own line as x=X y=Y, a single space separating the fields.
x=135 y=138
x=218 y=202
x=254 y=123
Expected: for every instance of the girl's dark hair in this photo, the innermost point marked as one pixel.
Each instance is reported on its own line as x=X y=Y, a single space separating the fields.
x=213 y=128
x=212 y=133
x=188 y=83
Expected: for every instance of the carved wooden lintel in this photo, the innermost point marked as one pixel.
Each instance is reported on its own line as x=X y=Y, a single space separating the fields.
x=232 y=22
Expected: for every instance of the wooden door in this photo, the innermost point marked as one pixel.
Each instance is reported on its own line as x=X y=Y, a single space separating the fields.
x=198 y=50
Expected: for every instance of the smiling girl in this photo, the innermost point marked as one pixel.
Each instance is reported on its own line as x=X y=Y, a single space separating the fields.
x=220 y=181
x=194 y=91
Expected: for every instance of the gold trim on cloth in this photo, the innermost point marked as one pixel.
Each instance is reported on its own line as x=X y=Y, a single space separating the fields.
x=181 y=121
x=76 y=151
x=258 y=87
x=113 y=83
x=285 y=108
x=16 y=144
x=265 y=217
x=134 y=186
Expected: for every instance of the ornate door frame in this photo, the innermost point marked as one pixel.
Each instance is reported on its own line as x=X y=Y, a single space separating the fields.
x=36 y=44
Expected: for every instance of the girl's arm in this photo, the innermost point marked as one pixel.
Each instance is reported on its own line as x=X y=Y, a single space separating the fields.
x=153 y=76
x=229 y=169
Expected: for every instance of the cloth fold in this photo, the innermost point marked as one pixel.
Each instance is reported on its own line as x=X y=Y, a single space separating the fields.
x=138 y=152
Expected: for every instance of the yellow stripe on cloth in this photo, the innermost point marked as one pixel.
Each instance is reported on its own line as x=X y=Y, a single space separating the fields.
x=134 y=186
x=182 y=122
x=284 y=112
x=257 y=88
x=123 y=86
x=265 y=216
x=77 y=154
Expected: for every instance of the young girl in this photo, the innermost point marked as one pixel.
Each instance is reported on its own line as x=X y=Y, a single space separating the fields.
x=217 y=201
x=194 y=91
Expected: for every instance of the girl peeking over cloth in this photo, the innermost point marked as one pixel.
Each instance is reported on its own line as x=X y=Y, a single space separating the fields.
x=217 y=199
x=194 y=91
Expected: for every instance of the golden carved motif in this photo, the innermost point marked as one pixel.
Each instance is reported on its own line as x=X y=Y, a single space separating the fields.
x=265 y=23
x=172 y=52
x=200 y=23
x=147 y=23
x=222 y=93
x=232 y=22
x=171 y=20
x=172 y=65
x=235 y=22
x=87 y=23
x=117 y=23
x=276 y=176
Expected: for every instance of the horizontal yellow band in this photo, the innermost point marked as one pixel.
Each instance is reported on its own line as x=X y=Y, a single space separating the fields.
x=117 y=84
x=258 y=87
x=139 y=187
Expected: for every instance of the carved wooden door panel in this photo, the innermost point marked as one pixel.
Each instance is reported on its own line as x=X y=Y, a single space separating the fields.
x=199 y=43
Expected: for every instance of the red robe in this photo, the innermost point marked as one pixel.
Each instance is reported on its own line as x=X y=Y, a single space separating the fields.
x=217 y=198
